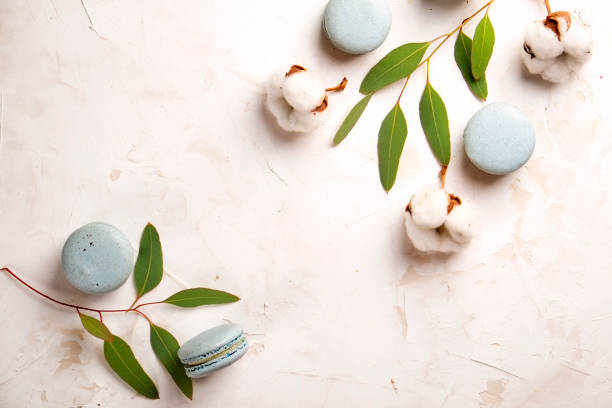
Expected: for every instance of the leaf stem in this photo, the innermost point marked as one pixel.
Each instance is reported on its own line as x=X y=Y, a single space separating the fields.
x=148 y=303
x=133 y=303
x=143 y=315
x=548 y=7
x=443 y=176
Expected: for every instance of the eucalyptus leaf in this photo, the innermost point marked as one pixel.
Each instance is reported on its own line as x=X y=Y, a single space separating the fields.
x=121 y=359
x=148 y=271
x=195 y=297
x=351 y=119
x=391 y=139
x=434 y=120
x=96 y=328
x=463 y=51
x=165 y=347
x=397 y=64
x=482 y=47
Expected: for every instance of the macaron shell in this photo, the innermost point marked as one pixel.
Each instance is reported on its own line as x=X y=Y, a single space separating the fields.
x=223 y=361
x=357 y=26
x=97 y=258
x=208 y=341
x=499 y=139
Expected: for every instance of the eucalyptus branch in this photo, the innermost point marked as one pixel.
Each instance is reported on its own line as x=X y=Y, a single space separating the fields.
x=400 y=63
x=445 y=38
x=148 y=273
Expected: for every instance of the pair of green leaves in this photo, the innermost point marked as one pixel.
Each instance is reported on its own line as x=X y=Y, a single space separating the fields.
x=397 y=64
x=472 y=58
x=148 y=273
x=121 y=358
x=393 y=132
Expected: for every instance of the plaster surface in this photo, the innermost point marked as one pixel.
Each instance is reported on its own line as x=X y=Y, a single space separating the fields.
x=131 y=112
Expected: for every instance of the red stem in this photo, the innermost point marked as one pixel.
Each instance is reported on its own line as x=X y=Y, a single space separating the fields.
x=77 y=307
x=149 y=303
x=143 y=315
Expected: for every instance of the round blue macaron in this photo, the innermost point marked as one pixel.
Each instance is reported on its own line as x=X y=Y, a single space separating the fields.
x=357 y=26
x=499 y=139
x=213 y=350
x=97 y=258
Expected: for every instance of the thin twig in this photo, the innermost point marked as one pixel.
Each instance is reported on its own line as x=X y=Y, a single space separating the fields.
x=143 y=315
x=76 y=307
x=147 y=304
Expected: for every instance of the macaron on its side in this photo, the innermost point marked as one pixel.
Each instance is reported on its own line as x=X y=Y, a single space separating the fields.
x=212 y=350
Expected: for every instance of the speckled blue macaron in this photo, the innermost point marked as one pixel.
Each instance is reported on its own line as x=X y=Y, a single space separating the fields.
x=97 y=258
x=357 y=26
x=499 y=139
x=213 y=350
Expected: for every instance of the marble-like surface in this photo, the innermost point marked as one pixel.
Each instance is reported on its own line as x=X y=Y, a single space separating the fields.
x=155 y=114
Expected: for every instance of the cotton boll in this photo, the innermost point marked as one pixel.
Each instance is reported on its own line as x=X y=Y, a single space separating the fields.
x=536 y=65
x=308 y=121
x=292 y=120
x=422 y=239
x=578 y=40
x=274 y=86
x=460 y=223
x=542 y=42
x=429 y=240
x=429 y=207
x=304 y=91
x=558 y=72
x=292 y=102
x=279 y=108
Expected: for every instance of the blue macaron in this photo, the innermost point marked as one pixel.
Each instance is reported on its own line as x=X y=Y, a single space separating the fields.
x=97 y=258
x=357 y=26
x=499 y=139
x=213 y=350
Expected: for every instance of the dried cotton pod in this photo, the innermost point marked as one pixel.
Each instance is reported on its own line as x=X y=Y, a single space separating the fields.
x=298 y=99
x=557 y=47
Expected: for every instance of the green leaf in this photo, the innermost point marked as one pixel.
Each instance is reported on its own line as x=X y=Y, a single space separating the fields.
x=351 y=119
x=391 y=138
x=434 y=120
x=120 y=357
x=148 y=270
x=397 y=64
x=195 y=297
x=463 y=51
x=165 y=347
x=482 y=47
x=96 y=328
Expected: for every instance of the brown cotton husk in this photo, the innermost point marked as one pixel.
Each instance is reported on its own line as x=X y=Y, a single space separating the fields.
x=553 y=21
x=294 y=69
x=453 y=200
x=322 y=106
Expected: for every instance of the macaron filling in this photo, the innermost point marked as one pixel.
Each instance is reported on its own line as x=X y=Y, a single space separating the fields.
x=218 y=354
